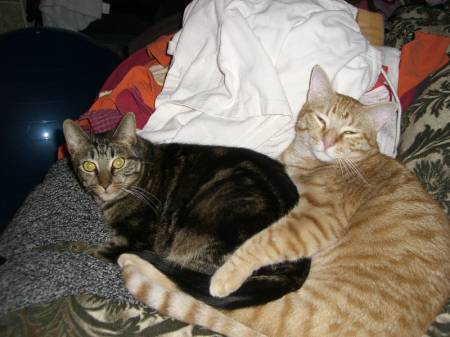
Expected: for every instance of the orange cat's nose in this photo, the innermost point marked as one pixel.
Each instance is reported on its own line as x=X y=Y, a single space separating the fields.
x=327 y=143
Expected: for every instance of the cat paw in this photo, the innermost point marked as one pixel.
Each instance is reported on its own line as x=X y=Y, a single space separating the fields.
x=133 y=280
x=226 y=280
x=126 y=259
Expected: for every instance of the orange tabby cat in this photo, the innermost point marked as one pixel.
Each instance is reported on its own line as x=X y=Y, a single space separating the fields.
x=380 y=245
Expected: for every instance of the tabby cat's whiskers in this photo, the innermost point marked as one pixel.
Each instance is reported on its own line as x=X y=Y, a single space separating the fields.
x=148 y=193
x=141 y=196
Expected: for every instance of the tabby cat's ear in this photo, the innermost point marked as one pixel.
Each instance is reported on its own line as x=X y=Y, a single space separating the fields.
x=380 y=113
x=126 y=130
x=320 y=84
x=75 y=136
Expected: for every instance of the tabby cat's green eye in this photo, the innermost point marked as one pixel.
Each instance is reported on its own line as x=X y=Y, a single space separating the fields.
x=89 y=166
x=118 y=163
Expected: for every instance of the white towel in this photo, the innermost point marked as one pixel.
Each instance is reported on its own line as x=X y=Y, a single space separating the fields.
x=389 y=136
x=240 y=70
x=72 y=15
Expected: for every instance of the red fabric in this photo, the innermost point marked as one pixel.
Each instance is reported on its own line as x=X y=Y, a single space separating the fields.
x=62 y=151
x=132 y=87
x=419 y=58
x=140 y=78
x=407 y=98
x=381 y=81
x=131 y=100
x=101 y=120
x=139 y=58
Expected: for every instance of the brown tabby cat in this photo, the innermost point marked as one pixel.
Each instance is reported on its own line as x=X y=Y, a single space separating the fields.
x=380 y=245
x=186 y=207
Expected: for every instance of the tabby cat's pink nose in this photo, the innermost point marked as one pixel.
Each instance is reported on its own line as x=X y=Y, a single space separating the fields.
x=105 y=184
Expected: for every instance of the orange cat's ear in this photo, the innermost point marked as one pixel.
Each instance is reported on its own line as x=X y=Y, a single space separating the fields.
x=380 y=113
x=319 y=84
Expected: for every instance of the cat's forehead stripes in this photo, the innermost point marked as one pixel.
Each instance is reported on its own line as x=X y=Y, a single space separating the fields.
x=343 y=109
x=102 y=147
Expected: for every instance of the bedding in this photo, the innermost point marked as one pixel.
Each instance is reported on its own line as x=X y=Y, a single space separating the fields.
x=253 y=97
x=50 y=287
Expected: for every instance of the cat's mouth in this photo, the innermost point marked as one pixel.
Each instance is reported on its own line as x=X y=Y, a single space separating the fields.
x=324 y=155
x=106 y=195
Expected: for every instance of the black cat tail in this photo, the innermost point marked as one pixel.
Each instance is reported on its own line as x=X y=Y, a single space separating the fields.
x=266 y=284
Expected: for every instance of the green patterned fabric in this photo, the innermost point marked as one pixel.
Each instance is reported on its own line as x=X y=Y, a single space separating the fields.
x=425 y=129
x=90 y=315
x=425 y=137
x=410 y=18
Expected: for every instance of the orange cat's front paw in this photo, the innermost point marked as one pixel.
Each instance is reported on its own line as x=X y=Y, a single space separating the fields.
x=132 y=278
x=227 y=279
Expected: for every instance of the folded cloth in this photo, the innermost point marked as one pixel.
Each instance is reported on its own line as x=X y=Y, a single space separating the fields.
x=100 y=120
x=420 y=57
x=389 y=136
x=72 y=15
x=240 y=70
x=139 y=78
x=411 y=95
x=139 y=58
x=131 y=100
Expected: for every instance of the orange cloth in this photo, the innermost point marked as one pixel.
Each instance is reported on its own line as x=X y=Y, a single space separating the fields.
x=62 y=151
x=158 y=49
x=420 y=58
x=140 y=78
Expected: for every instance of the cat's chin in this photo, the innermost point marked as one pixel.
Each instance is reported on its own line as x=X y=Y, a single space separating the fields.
x=107 y=196
x=323 y=156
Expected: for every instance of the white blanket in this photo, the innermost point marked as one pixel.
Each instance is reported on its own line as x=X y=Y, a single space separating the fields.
x=240 y=70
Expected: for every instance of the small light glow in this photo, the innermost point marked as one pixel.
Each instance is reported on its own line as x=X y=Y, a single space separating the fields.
x=46 y=134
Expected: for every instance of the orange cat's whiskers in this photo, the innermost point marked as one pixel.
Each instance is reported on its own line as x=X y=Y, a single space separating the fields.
x=342 y=167
x=353 y=168
x=346 y=169
x=379 y=243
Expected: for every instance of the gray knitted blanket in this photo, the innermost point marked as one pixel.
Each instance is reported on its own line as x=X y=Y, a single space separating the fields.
x=57 y=211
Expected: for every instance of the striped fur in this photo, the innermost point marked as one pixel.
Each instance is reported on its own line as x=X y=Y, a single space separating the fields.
x=379 y=243
x=148 y=284
x=188 y=205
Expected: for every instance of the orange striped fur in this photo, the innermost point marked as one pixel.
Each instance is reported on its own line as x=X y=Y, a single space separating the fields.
x=379 y=243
